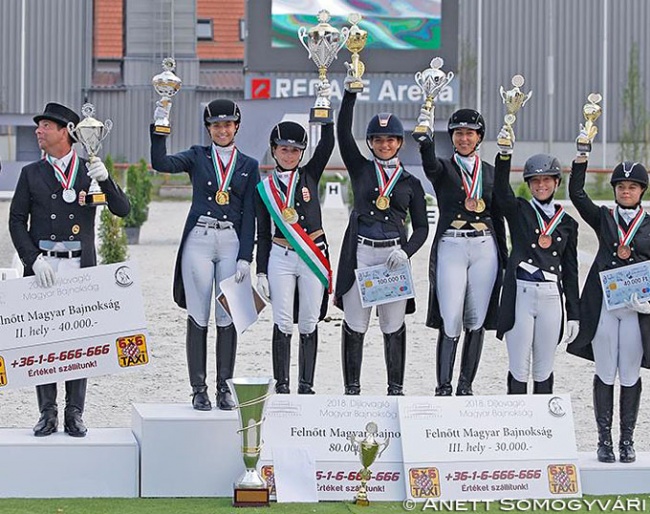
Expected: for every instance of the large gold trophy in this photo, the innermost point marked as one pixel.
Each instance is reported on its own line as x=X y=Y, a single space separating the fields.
x=591 y=111
x=356 y=41
x=250 y=395
x=166 y=84
x=431 y=82
x=514 y=99
x=369 y=450
x=323 y=43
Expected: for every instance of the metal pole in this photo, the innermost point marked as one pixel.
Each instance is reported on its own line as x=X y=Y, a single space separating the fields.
x=605 y=65
x=23 y=18
x=550 y=73
x=479 y=60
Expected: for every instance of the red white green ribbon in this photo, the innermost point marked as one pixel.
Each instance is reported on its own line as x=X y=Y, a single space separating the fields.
x=548 y=228
x=386 y=184
x=297 y=237
x=472 y=181
x=289 y=199
x=73 y=166
x=224 y=174
x=624 y=238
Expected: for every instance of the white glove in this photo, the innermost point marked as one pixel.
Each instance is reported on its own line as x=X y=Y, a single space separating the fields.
x=243 y=269
x=263 y=286
x=161 y=111
x=425 y=118
x=325 y=89
x=97 y=170
x=583 y=149
x=638 y=306
x=572 y=329
x=44 y=273
x=506 y=140
x=396 y=259
x=349 y=77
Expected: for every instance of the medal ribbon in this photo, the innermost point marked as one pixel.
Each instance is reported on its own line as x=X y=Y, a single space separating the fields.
x=289 y=199
x=224 y=176
x=472 y=182
x=548 y=228
x=624 y=238
x=386 y=186
x=66 y=181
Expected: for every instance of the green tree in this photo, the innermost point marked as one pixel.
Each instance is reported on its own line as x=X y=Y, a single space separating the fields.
x=138 y=191
x=113 y=247
x=635 y=137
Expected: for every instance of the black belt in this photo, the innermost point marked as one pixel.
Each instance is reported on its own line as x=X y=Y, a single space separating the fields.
x=69 y=254
x=378 y=243
x=216 y=224
x=465 y=233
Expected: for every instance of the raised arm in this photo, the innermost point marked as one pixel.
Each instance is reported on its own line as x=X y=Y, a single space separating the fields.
x=589 y=211
x=322 y=154
x=160 y=161
x=350 y=153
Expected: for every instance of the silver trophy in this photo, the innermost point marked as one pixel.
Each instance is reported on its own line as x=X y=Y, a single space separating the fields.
x=90 y=132
x=166 y=84
x=250 y=395
x=431 y=82
x=514 y=99
x=369 y=450
x=323 y=43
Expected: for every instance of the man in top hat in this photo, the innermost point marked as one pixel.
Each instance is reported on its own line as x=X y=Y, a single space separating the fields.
x=53 y=230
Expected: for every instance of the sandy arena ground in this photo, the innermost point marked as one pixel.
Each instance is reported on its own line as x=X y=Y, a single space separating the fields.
x=109 y=398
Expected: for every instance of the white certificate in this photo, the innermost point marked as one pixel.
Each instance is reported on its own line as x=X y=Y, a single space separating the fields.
x=489 y=447
x=378 y=285
x=91 y=322
x=619 y=284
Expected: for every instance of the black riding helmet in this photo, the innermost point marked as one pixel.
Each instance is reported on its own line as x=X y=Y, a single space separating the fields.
x=289 y=133
x=384 y=124
x=542 y=164
x=221 y=110
x=628 y=170
x=466 y=118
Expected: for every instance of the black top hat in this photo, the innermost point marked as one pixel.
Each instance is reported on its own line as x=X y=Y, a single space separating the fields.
x=58 y=113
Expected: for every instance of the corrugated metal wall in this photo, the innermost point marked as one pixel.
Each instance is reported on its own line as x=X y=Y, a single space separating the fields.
x=558 y=46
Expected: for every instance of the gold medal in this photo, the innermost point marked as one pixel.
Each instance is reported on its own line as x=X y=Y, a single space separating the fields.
x=471 y=204
x=544 y=241
x=624 y=252
x=382 y=202
x=290 y=215
x=480 y=205
x=222 y=198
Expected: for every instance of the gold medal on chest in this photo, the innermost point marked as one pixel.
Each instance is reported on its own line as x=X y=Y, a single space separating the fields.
x=222 y=198
x=290 y=215
x=383 y=202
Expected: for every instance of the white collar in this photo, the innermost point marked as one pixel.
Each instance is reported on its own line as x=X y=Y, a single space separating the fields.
x=62 y=162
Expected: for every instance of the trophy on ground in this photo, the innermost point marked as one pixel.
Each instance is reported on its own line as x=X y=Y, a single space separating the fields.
x=591 y=111
x=250 y=395
x=431 y=82
x=323 y=45
x=514 y=99
x=166 y=84
x=356 y=41
x=369 y=450
x=90 y=132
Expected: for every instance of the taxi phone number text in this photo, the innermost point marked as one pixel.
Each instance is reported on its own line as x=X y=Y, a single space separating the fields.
x=355 y=476
x=78 y=353
x=497 y=474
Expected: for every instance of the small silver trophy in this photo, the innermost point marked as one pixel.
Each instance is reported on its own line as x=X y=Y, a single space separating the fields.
x=166 y=84
x=514 y=99
x=369 y=450
x=90 y=132
x=323 y=45
x=431 y=82
x=591 y=111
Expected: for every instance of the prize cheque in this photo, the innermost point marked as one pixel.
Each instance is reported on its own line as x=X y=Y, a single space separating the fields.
x=91 y=322
x=323 y=424
x=489 y=447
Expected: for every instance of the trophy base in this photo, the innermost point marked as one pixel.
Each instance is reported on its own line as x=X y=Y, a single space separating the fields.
x=362 y=502
x=162 y=130
x=422 y=134
x=322 y=115
x=250 y=497
x=583 y=146
x=355 y=87
x=504 y=142
x=95 y=199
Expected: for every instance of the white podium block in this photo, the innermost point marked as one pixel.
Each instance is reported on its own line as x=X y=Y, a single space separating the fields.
x=185 y=452
x=614 y=477
x=333 y=196
x=102 y=464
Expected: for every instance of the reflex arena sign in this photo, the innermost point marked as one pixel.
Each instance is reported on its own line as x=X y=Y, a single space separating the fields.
x=377 y=89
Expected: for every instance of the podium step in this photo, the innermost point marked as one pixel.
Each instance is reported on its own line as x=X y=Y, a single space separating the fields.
x=184 y=452
x=102 y=464
x=616 y=477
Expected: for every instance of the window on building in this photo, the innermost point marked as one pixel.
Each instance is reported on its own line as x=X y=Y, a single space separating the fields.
x=204 y=30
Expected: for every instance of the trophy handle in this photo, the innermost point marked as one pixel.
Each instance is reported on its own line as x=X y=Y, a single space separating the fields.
x=72 y=129
x=384 y=445
x=302 y=35
x=530 y=93
x=345 y=34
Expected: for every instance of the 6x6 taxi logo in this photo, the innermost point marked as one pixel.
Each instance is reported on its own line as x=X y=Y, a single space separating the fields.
x=3 y=372
x=132 y=351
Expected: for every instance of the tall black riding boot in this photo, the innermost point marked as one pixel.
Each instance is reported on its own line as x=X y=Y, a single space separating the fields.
x=226 y=352
x=629 y=410
x=307 y=362
x=281 y=360
x=352 y=350
x=516 y=387
x=603 y=406
x=395 y=355
x=445 y=358
x=75 y=398
x=472 y=348
x=195 y=347
x=48 y=422
x=544 y=387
